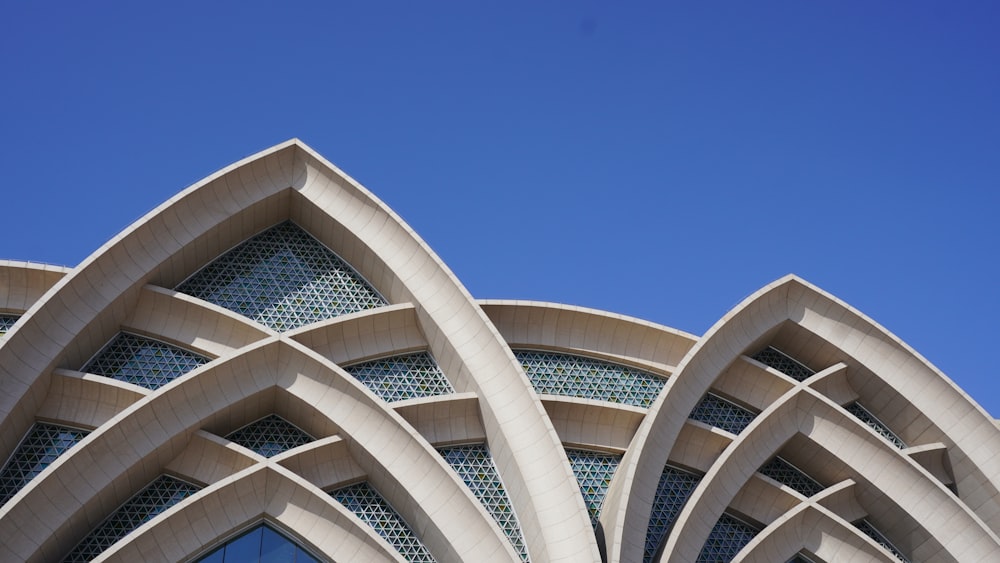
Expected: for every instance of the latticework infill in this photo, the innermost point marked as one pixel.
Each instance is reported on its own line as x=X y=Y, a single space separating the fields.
x=283 y=278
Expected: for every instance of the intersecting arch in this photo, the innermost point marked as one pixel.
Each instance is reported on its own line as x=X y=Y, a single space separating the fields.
x=971 y=431
x=138 y=443
x=290 y=181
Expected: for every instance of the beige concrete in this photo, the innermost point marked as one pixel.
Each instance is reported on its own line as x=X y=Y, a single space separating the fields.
x=833 y=331
x=69 y=314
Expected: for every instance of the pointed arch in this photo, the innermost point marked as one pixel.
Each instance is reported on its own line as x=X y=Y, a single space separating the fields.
x=792 y=300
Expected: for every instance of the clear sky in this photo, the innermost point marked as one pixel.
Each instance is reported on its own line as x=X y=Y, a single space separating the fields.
x=661 y=159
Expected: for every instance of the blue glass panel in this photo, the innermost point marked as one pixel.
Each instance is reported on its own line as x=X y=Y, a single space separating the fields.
x=283 y=278
x=397 y=378
x=143 y=361
x=217 y=556
x=274 y=548
x=43 y=444
x=262 y=544
x=245 y=548
x=587 y=378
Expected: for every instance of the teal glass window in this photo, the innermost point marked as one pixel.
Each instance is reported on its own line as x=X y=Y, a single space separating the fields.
x=790 y=476
x=727 y=538
x=262 y=544
x=672 y=492
x=142 y=361
x=594 y=472
x=365 y=501
x=270 y=436
x=784 y=363
x=407 y=376
x=727 y=415
x=587 y=378
x=474 y=465
x=283 y=278
x=156 y=497
x=39 y=448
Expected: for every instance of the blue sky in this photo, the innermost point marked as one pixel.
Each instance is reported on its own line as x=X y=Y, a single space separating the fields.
x=661 y=159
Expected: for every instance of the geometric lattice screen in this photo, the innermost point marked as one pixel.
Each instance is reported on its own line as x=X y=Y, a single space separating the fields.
x=864 y=415
x=726 y=539
x=577 y=376
x=871 y=531
x=673 y=490
x=6 y=323
x=270 y=436
x=593 y=472
x=720 y=413
x=790 y=476
x=42 y=445
x=784 y=363
x=367 y=504
x=142 y=361
x=262 y=544
x=398 y=378
x=474 y=465
x=156 y=497
x=283 y=278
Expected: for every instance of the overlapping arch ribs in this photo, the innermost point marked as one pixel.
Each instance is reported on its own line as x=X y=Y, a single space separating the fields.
x=272 y=361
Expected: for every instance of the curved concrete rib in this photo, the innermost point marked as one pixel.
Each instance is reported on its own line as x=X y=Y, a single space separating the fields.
x=971 y=430
x=364 y=335
x=290 y=181
x=134 y=447
x=804 y=411
x=264 y=492
x=616 y=338
x=24 y=283
x=815 y=529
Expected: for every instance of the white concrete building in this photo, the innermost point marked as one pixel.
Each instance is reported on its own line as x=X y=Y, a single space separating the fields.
x=272 y=364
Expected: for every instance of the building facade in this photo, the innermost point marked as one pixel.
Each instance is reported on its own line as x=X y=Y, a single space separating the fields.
x=272 y=366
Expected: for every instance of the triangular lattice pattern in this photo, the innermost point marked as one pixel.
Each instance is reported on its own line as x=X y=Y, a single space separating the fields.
x=397 y=378
x=726 y=539
x=283 y=278
x=784 y=363
x=474 y=465
x=718 y=412
x=6 y=323
x=156 y=497
x=871 y=531
x=365 y=501
x=143 y=361
x=790 y=476
x=673 y=490
x=270 y=436
x=593 y=472
x=864 y=415
x=43 y=444
x=577 y=376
